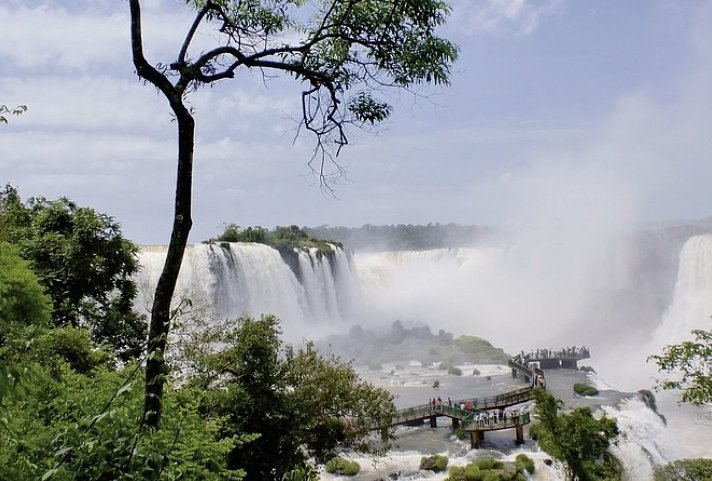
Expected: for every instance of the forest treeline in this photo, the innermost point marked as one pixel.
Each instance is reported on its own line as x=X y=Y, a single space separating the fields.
x=407 y=236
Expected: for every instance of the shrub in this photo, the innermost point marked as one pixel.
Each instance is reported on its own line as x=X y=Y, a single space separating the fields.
x=685 y=470
x=585 y=390
x=455 y=371
x=489 y=463
x=436 y=384
x=524 y=463
x=490 y=469
x=339 y=465
x=476 y=372
x=434 y=463
x=465 y=473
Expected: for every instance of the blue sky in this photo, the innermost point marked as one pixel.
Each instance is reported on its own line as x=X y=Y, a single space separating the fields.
x=573 y=114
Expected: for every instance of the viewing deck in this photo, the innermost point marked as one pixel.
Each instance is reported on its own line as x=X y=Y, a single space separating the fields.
x=566 y=358
x=482 y=414
x=478 y=415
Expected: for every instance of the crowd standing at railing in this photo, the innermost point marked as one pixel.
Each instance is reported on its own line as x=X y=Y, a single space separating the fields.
x=563 y=353
x=500 y=416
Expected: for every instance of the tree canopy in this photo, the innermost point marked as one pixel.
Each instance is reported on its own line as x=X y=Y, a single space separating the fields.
x=302 y=404
x=576 y=438
x=83 y=263
x=688 y=366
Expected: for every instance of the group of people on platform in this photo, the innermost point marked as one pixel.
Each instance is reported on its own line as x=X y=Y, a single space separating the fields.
x=499 y=416
x=481 y=418
x=563 y=353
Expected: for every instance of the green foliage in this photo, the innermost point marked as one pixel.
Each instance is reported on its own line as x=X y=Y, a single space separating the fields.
x=69 y=345
x=524 y=462
x=585 y=389
x=481 y=348
x=576 y=438
x=469 y=472
x=291 y=237
x=343 y=466
x=488 y=469
x=67 y=426
x=302 y=473
x=84 y=264
x=301 y=403
x=23 y=302
x=685 y=470
x=435 y=463
x=688 y=364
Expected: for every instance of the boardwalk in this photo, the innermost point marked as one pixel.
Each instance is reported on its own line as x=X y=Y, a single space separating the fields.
x=488 y=413
x=481 y=414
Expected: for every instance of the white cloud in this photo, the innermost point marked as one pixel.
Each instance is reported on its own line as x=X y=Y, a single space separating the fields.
x=97 y=40
x=501 y=16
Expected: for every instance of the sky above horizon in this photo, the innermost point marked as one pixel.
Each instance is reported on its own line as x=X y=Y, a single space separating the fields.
x=572 y=115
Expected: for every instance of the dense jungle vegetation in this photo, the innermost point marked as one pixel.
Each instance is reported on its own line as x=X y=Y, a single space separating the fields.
x=72 y=367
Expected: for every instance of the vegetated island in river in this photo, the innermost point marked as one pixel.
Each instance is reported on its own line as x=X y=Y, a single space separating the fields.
x=371 y=348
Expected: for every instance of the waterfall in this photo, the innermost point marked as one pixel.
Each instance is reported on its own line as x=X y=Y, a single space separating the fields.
x=644 y=441
x=227 y=280
x=691 y=306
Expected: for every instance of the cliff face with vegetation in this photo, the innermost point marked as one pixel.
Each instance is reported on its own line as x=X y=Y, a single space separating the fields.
x=281 y=238
x=286 y=240
x=398 y=343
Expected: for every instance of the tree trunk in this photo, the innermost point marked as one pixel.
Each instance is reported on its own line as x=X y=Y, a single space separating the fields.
x=156 y=366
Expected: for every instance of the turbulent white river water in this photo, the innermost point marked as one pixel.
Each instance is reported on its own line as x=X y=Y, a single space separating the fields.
x=519 y=296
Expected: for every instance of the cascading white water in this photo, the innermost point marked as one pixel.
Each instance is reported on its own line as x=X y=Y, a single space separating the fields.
x=491 y=292
x=227 y=280
x=644 y=442
x=691 y=307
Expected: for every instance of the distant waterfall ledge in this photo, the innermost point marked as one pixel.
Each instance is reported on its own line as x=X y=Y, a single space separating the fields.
x=226 y=280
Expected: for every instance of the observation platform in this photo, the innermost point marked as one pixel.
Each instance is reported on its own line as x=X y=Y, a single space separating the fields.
x=564 y=358
x=479 y=415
